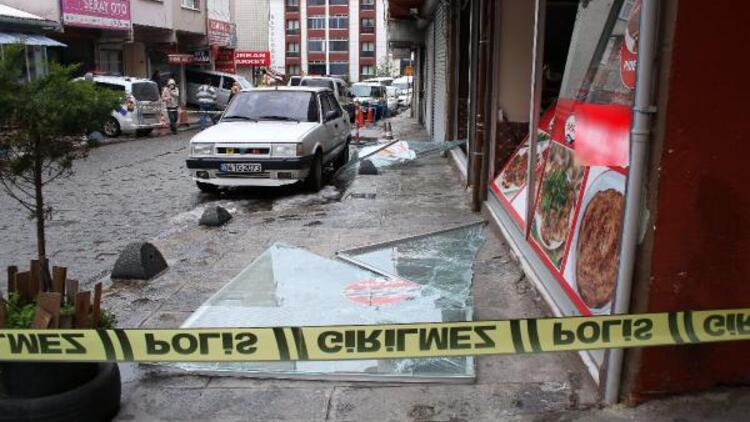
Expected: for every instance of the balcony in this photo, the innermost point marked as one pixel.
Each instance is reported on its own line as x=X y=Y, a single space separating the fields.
x=292 y=9
x=366 y=29
x=292 y=31
x=366 y=54
x=292 y=53
x=367 y=6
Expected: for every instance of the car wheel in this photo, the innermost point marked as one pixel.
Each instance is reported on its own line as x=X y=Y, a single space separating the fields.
x=207 y=187
x=343 y=158
x=314 y=181
x=144 y=132
x=112 y=128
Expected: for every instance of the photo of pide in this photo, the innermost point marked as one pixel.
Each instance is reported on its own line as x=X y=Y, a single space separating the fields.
x=556 y=202
x=591 y=265
x=513 y=177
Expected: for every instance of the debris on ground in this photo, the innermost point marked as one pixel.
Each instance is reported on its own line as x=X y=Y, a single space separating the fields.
x=215 y=216
x=139 y=261
x=366 y=167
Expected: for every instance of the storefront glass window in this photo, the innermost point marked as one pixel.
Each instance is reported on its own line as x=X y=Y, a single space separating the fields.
x=581 y=159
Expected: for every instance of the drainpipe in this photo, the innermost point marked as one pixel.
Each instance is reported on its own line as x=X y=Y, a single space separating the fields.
x=540 y=16
x=640 y=131
x=477 y=157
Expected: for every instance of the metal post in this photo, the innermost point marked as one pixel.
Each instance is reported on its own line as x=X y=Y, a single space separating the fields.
x=639 y=137
x=534 y=106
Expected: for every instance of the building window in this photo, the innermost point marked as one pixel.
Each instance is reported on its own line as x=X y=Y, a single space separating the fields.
x=292 y=26
x=191 y=4
x=316 y=22
x=367 y=70
x=338 y=45
x=367 y=4
x=367 y=25
x=316 y=2
x=368 y=49
x=339 y=22
x=293 y=69
x=292 y=5
x=110 y=61
x=338 y=2
x=316 y=45
x=316 y=68
x=339 y=68
x=292 y=49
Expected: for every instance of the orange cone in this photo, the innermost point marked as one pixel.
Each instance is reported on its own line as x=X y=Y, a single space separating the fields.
x=183 y=120
x=359 y=117
x=163 y=124
x=370 y=114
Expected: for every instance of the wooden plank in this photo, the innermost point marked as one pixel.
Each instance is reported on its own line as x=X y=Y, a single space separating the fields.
x=59 y=275
x=71 y=290
x=82 y=309
x=23 y=286
x=12 y=270
x=42 y=319
x=3 y=313
x=50 y=302
x=35 y=282
x=96 y=311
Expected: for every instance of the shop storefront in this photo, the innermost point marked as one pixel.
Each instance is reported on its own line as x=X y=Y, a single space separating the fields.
x=560 y=197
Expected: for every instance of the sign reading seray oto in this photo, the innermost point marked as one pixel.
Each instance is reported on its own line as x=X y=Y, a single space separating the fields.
x=104 y=14
x=376 y=341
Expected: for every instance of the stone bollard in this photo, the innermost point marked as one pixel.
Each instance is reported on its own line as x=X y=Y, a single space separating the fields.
x=139 y=260
x=215 y=216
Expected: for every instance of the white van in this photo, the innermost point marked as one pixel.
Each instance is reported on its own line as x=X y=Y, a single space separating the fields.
x=140 y=112
x=221 y=81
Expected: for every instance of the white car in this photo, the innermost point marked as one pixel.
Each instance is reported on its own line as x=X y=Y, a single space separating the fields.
x=140 y=112
x=272 y=137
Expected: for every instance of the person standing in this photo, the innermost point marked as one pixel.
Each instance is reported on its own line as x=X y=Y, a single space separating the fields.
x=171 y=97
x=206 y=101
x=236 y=88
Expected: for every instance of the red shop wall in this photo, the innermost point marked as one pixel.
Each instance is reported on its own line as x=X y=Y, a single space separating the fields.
x=699 y=240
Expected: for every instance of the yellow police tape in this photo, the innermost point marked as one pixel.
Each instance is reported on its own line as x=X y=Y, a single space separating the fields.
x=376 y=341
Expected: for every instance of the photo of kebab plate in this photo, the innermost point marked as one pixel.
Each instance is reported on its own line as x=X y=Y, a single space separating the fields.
x=514 y=175
x=556 y=201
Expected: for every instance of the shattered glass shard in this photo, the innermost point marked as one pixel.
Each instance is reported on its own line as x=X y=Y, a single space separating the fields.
x=290 y=286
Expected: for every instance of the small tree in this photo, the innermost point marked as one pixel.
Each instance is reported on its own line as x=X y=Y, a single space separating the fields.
x=43 y=123
x=386 y=68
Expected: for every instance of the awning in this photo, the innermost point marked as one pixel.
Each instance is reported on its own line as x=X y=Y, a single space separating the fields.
x=28 y=39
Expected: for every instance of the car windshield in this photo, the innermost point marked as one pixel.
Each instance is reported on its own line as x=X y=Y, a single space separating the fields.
x=318 y=82
x=273 y=105
x=363 y=90
x=145 y=91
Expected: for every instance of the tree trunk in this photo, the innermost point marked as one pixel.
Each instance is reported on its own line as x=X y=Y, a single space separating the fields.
x=41 y=241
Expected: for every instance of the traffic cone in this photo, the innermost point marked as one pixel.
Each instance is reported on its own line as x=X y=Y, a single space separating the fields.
x=163 y=124
x=183 y=120
x=359 y=117
x=370 y=115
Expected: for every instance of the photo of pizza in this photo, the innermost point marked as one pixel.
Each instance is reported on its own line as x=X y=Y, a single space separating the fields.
x=593 y=262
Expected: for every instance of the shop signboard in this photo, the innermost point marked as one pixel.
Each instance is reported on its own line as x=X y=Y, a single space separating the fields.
x=225 y=61
x=201 y=57
x=103 y=14
x=219 y=23
x=579 y=196
x=247 y=58
x=180 y=59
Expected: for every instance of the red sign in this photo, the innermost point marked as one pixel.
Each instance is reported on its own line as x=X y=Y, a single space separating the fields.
x=252 y=58
x=629 y=47
x=381 y=292
x=180 y=58
x=219 y=32
x=225 y=61
x=106 y=14
x=602 y=134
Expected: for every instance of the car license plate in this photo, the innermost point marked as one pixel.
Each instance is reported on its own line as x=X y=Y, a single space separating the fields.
x=240 y=167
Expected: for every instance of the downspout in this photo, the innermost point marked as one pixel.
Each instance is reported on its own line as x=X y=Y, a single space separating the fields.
x=540 y=14
x=477 y=157
x=640 y=131
x=488 y=110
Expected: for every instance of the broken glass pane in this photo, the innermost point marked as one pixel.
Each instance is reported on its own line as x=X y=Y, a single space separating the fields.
x=289 y=286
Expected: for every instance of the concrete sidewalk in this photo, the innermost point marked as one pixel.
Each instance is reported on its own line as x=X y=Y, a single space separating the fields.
x=413 y=199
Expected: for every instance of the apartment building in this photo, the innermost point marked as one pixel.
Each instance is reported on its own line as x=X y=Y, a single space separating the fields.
x=345 y=38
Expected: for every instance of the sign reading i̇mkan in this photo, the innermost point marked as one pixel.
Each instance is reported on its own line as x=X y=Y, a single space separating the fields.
x=104 y=14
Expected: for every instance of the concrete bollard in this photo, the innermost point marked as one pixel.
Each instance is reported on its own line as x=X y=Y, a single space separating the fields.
x=215 y=216
x=140 y=261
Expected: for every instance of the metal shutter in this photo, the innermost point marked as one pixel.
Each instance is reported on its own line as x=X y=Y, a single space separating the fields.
x=429 y=77
x=439 y=74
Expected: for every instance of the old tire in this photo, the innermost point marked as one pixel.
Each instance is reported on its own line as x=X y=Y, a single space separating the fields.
x=112 y=128
x=96 y=400
x=207 y=187
x=314 y=181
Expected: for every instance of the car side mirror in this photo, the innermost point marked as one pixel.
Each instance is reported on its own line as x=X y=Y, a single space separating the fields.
x=330 y=115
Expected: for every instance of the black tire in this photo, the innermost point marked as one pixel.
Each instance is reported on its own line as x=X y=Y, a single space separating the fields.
x=144 y=132
x=96 y=400
x=343 y=157
x=112 y=128
x=207 y=187
x=314 y=181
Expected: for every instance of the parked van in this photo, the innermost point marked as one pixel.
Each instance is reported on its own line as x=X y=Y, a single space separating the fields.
x=221 y=81
x=140 y=112
x=337 y=85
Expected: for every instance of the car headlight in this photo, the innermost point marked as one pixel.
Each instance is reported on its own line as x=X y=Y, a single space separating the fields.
x=286 y=150
x=201 y=149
